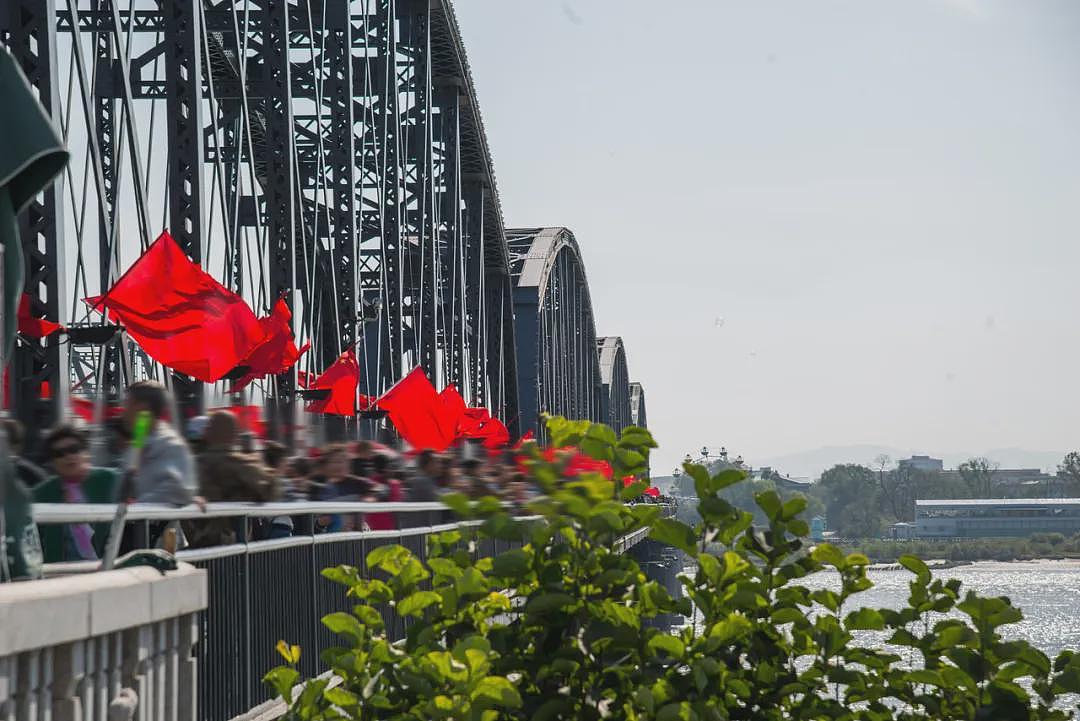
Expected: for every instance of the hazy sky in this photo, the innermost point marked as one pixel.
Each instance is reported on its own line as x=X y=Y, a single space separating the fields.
x=879 y=200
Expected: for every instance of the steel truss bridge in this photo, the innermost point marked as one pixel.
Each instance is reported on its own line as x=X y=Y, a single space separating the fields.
x=329 y=150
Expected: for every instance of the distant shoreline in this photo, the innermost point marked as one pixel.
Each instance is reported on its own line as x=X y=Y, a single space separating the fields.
x=943 y=564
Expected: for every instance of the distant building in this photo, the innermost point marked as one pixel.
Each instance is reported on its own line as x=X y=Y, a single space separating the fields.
x=987 y=517
x=783 y=483
x=922 y=463
x=902 y=530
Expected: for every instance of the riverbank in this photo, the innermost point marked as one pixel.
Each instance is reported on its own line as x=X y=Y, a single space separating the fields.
x=1048 y=546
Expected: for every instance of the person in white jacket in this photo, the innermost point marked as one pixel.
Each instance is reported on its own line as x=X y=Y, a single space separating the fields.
x=165 y=472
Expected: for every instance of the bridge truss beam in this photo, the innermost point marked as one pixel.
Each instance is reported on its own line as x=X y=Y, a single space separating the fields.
x=331 y=152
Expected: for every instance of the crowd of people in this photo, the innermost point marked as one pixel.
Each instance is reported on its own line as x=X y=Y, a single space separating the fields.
x=211 y=460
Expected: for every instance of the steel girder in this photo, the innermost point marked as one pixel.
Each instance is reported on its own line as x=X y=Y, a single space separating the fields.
x=348 y=136
x=558 y=365
x=616 y=380
x=28 y=29
x=638 y=416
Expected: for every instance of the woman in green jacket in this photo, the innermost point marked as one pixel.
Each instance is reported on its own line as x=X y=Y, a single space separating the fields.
x=75 y=481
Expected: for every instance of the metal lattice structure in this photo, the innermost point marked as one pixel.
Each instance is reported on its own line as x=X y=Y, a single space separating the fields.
x=331 y=152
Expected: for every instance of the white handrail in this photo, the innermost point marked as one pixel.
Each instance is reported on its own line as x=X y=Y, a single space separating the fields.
x=60 y=513
x=53 y=513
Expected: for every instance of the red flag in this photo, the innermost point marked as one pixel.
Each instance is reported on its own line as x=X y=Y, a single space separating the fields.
x=180 y=315
x=304 y=379
x=652 y=491
x=581 y=463
x=30 y=326
x=495 y=433
x=277 y=352
x=578 y=463
x=478 y=423
x=453 y=402
x=84 y=408
x=342 y=379
x=420 y=415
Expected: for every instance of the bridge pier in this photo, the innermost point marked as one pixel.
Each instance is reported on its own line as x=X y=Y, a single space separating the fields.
x=663 y=564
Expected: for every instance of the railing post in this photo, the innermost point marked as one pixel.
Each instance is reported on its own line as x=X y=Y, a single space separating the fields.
x=187 y=671
x=8 y=684
x=69 y=669
x=137 y=651
x=246 y=616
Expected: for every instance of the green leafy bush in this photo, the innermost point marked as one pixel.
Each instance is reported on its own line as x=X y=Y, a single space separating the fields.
x=558 y=628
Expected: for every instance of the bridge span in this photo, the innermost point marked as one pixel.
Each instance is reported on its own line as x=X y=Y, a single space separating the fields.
x=333 y=152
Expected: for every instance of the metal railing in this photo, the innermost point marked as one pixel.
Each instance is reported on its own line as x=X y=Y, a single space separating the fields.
x=264 y=591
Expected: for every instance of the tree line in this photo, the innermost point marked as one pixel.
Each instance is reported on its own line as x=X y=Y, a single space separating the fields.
x=862 y=501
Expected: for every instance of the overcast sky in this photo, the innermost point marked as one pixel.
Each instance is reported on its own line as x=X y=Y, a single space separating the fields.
x=814 y=222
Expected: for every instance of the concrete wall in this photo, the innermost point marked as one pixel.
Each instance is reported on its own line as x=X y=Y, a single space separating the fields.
x=69 y=645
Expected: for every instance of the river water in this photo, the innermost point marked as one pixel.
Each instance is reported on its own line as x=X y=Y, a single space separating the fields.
x=1048 y=593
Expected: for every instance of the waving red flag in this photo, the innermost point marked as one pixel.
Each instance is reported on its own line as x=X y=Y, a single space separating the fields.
x=277 y=352
x=420 y=415
x=581 y=463
x=180 y=315
x=652 y=491
x=342 y=379
x=30 y=326
x=453 y=402
x=494 y=433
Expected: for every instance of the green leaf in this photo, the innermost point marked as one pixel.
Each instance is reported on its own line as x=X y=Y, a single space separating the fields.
x=916 y=566
x=512 y=564
x=787 y=615
x=794 y=507
x=498 y=691
x=725 y=478
x=341 y=697
x=390 y=558
x=368 y=616
x=488 y=506
x=414 y=604
x=548 y=602
x=730 y=628
x=864 y=619
x=769 y=501
x=668 y=644
x=444 y=567
x=828 y=554
x=678 y=711
x=344 y=623
x=634 y=490
x=458 y=503
x=282 y=679
x=675 y=533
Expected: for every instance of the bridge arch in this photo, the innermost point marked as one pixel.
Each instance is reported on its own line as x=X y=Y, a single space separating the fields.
x=558 y=365
x=616 y=380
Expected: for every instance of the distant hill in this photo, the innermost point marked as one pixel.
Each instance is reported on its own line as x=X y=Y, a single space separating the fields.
x=811 y=463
